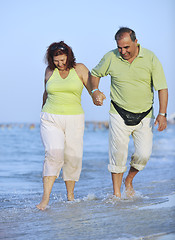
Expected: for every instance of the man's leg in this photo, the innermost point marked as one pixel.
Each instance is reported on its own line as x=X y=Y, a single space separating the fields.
x=117 y=182
x=142 y=137
x=48 y=182
x=128 y=182
x=119 y=135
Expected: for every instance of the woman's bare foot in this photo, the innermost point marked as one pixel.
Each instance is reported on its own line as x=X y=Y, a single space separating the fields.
x=70 y=196
x=43 y=204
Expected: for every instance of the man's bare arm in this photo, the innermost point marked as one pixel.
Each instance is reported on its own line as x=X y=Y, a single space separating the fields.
x=163 y=102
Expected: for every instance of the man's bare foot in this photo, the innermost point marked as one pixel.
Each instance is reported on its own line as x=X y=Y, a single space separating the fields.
x=117 y=182
x=128 y=182
x=129 y=189
x=118 y=194
x=43 y=204
x=130 y=192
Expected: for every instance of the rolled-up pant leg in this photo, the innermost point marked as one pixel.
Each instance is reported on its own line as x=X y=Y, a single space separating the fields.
x=143 y=138
x=119 y=135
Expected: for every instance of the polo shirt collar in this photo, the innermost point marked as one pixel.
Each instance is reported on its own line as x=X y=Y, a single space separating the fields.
x=141 y=54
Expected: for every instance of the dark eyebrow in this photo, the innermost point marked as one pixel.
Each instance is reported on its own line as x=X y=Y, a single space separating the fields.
x=123 y=47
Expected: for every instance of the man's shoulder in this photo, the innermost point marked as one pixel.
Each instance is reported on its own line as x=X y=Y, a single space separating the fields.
x=111 y=54
x=149 y=56
x=148 y=52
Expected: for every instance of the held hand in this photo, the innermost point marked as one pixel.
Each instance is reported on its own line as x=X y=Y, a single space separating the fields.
x=98 y=98
x=162 y=122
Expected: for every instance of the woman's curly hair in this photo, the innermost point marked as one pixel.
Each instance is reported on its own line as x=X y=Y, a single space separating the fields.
x=59 y=48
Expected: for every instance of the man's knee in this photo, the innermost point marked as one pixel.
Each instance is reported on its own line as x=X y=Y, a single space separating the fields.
x=139 y=161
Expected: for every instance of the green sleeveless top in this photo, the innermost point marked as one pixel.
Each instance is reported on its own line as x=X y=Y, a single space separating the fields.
x=64 y=95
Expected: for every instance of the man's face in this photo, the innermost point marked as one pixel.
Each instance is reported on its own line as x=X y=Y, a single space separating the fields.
x=127 y=48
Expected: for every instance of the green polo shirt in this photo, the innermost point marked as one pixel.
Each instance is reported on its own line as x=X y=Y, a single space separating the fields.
x=132 y=84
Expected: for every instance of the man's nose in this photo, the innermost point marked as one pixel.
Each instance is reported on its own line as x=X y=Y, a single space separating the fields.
x=123 y=50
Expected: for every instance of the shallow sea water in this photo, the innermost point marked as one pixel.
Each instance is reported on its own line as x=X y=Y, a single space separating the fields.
x=95 y=213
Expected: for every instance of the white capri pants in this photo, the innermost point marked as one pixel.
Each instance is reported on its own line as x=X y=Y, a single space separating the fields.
x=119 y=136
x=62 y=137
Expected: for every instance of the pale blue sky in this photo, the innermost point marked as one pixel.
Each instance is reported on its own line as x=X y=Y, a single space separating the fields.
x=89 y=26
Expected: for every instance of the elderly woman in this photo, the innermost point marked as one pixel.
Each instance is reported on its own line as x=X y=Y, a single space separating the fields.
x=62 y=119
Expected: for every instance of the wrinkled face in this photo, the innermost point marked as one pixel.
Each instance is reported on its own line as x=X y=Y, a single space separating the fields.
x=127 y=48
x=60 y=62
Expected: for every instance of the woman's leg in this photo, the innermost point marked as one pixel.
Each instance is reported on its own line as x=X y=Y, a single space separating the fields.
x=47 y=188
x=53 y=141
x=73 y=152
x=70 y=190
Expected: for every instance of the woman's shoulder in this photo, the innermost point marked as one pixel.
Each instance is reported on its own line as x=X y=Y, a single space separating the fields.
x=82 y=72
x=48 y=73
x=80 y=67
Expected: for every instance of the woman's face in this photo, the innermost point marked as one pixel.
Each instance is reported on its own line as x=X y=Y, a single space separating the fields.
x=60 y=62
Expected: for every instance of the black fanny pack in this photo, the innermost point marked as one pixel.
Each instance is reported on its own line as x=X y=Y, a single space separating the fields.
x=130 y=118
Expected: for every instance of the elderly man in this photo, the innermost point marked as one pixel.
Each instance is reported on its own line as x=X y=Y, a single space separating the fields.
x=134 y=72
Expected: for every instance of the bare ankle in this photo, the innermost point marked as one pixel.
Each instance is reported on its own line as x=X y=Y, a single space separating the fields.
x=43 y=204
x=118 y=194
x=70 y=196
x=128 y=182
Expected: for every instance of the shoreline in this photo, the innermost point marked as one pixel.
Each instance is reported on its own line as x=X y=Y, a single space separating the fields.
x=91 y=124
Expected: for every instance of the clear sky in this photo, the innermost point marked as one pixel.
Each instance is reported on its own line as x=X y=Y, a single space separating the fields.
x=88 y=26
